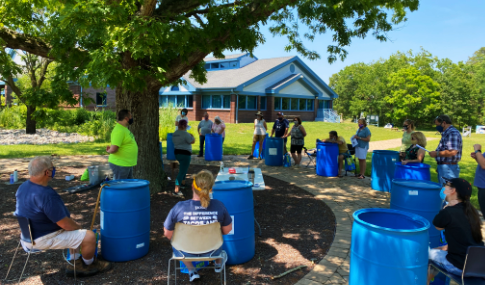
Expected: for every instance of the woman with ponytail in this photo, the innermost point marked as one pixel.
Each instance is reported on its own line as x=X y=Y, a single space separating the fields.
x=200 y=210
x=461 y=223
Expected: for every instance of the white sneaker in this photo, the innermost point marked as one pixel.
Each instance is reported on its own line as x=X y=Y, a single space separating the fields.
x=217 y=266
x=193 y=276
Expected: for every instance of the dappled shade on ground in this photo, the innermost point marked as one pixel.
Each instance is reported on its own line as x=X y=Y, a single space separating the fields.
x=297 y=228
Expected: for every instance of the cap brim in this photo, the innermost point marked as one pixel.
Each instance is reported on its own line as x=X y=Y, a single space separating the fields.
x=447 y=180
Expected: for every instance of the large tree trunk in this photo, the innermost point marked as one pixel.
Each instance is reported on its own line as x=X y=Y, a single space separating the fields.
x=30 y=125
x=144 y=108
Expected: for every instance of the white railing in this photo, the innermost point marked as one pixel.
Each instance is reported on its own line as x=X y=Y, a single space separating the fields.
x=330 y=116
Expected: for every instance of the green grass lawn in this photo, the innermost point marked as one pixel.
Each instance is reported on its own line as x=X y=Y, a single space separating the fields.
x=467 y=164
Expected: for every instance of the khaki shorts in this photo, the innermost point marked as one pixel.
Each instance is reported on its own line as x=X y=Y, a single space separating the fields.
x=58 y=240
x=259 y=138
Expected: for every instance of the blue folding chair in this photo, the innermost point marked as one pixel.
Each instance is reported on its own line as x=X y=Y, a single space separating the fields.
x=26 y=236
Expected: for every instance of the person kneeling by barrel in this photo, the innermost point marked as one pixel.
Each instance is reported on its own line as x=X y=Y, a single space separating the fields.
x=50 y=222
x=200 y=210
x=462 y=227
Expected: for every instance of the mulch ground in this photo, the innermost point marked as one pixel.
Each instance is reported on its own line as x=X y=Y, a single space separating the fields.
x=297 y=229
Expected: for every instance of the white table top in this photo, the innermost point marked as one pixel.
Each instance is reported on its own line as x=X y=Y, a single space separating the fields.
x=242 y=174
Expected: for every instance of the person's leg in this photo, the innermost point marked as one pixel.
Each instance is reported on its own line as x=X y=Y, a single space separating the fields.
x=481 y=200
x=340 y=164
x=184 y=161
x=439 y=171
x=201 y=145
x=130 y=173
x=285 y=150
x=121 y=172
x=254 y=145
x=362 y=166
x=298 y=153
x=261 y=142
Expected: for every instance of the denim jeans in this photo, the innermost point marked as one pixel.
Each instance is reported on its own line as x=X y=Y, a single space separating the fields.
x=449 y=171
x=179 y=253
x=201 y=145
x=439 y=256
x=121 y=172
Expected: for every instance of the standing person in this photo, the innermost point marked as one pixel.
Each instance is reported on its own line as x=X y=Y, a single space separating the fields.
x=219 y=127
x=461 y=225
x=480 y=176
x=342 y=149
x=260 y=129
x=280 y=129
x=123 y=152
x=204 y=128
x=414 y=154
x=298 y=135
x=363 y=138
x=50 y=221
x=182 y=141
x=200 y=210
x=448 y=152
x=182 y=116
x=408 y=128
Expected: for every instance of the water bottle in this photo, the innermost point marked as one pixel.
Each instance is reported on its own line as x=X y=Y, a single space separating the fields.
x=222 y=167
x=11 y=179
x=15 y=176
x=106 y=178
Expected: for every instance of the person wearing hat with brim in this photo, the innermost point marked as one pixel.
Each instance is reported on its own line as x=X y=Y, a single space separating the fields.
x=462 y=226
x=280 y=129
x=219 y=127
x=260 y=129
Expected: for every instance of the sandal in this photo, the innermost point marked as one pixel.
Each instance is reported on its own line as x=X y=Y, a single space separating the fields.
x=340 y=176
x=361 y=177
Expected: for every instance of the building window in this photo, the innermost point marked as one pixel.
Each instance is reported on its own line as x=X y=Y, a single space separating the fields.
x=101 y=99
x=221 y=65
x=175 y=88
x=247 y=102
x=263 y=102
x=293 y=104
x=216 y=101
x=177 y=101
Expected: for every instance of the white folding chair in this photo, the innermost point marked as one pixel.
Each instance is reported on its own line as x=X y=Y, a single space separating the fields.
x=197 y=239
x=26 y=236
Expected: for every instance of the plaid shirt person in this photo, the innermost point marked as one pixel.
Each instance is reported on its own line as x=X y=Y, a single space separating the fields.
x=450 y=140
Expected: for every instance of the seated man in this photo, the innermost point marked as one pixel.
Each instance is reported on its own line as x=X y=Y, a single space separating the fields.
x=51 y=225
x=342 y=149
x=210 y=211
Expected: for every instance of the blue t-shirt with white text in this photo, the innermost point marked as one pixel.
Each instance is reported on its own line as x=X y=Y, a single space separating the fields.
x=192 y=213
x=42 y=205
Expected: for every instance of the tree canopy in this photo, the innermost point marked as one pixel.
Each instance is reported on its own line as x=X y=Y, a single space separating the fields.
x=141 y=45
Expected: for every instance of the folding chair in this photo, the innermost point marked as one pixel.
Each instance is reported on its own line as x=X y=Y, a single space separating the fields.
x=26 y=236
x=197 y=239
x=312 y=155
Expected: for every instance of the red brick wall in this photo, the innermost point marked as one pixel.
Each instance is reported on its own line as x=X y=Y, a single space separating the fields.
x=90 y=92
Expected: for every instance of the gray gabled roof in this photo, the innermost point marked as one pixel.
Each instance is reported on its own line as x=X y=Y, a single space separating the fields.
x=232 y=78
x=231 y=56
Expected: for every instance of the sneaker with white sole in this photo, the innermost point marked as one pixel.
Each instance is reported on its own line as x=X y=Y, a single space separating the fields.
x=193 y=276
x=217 y=266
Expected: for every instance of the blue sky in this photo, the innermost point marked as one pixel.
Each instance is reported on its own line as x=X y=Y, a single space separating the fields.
x=452 y=29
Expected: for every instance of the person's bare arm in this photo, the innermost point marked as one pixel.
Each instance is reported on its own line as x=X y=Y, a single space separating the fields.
x=225 y=230
x=439 y=229
x=68 y=224
x=444 y=153
x=167 y=233
x=302 y=129
x=420 y=158
x=266 y=127
x=112 y=149
x=286 y=132
x=367 y=139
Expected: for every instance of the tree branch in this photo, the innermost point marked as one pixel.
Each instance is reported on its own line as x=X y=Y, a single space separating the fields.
x=43 y=72
x=173 y=7
x=15 y=88
x=148 y=8
x=205 y=11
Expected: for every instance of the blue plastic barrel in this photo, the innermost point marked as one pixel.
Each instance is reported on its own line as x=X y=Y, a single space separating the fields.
x=327 y=159
x=256 y=148
x=170 y=148
x=125 y=219
x=213 y=147
x=237 y=196
x=383 y=168
x=388 y=247
x=418 y=171
x=273 y=153
x=418 y=197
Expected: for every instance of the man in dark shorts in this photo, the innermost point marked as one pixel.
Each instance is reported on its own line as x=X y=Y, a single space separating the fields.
x=280 y=129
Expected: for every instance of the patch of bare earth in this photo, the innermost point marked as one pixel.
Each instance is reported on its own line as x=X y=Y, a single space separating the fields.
x=297 y=229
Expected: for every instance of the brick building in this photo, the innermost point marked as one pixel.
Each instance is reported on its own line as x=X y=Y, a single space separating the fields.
x=99 y=98
x=239 y=85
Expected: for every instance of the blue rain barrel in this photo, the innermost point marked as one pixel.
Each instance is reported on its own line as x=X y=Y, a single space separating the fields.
x=125 y=219
x=237 y=196
x=170 y=148
x=273 y=153
x=256 y=148
x=418 y=197
x=388 y=247
x=383 y=168
x=327 y=159
x=418 y=171
x=213 y=147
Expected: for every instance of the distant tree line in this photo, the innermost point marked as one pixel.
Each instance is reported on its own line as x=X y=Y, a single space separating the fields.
x=413 y=86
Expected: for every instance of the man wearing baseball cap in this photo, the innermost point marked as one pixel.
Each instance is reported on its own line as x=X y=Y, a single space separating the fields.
x=461 y=223
x=280 y=129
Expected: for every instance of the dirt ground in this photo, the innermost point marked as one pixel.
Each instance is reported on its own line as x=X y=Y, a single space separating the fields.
x=297 y=229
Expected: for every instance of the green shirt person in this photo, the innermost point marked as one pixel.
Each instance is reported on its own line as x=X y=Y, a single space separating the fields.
x=123 y=152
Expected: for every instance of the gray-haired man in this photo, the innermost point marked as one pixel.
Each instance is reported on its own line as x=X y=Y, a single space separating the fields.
x=51 y=225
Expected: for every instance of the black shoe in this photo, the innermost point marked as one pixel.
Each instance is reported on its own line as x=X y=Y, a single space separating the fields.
x=250 y=157
x=200 y=155
x=83 y=270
